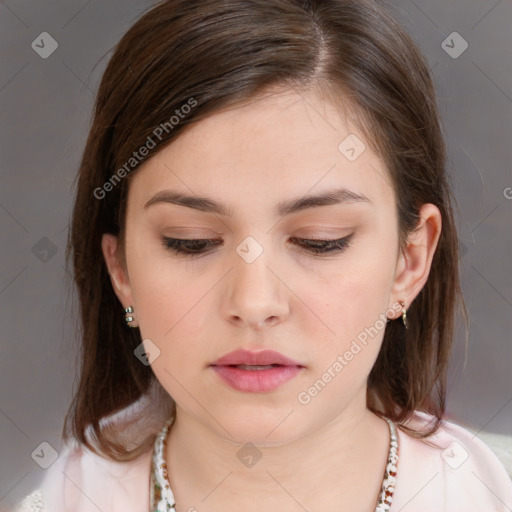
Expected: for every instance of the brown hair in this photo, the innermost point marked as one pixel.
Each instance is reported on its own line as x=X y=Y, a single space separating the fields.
x=214 y=54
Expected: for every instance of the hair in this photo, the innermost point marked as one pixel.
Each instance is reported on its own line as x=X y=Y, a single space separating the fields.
x=217 y=54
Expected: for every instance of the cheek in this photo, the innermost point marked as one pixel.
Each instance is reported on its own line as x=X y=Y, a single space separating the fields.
x=172 y=312
x=344 y=355
x=175 y=319
x=350 y=307
x=353 y=297
x=160 y=291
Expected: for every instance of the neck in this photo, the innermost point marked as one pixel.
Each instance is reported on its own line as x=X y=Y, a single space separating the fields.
x=342 y=460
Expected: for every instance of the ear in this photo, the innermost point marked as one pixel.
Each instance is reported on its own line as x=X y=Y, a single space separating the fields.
x=118 y=274
x=414 y=262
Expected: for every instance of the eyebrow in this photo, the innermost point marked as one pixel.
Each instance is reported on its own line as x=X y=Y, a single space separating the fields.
x=209 y=205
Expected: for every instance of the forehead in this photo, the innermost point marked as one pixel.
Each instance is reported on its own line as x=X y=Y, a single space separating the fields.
x=271 y=148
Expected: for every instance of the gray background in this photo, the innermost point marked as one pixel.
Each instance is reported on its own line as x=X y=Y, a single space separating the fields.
x=45 y=111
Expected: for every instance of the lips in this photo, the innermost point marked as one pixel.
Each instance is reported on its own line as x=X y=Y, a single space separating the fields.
x=256 y=372
x=253 y=359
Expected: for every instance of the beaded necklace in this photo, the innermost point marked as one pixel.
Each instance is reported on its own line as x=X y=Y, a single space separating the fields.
x=162 y=497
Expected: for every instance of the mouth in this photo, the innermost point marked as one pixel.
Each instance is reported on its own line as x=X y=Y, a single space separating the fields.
x=256 y=372
x=255 y=360
x=256 y=378
x=252 y=367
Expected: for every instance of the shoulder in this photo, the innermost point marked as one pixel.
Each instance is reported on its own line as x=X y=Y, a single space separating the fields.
x=82 y=481
x=450 y=470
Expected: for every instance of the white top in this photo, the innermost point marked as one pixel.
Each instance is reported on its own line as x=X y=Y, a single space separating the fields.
x=451 y=471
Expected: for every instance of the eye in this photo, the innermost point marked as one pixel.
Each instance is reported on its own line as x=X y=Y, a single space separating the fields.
x=325 y=246
x=198 y=246
x=189 y=247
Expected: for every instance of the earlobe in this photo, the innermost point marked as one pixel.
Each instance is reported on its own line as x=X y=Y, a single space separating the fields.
x=415 y=260
x=116 y=271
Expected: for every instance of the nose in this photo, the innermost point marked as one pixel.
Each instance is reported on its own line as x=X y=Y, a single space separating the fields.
x=256 y=295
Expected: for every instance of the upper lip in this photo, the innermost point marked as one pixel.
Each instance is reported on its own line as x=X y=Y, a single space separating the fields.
x=261 y=357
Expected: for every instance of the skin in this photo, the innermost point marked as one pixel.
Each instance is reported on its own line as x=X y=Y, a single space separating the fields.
x=331 y=452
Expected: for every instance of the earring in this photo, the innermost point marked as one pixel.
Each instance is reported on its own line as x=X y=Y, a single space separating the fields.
x=128 y=317
x=404 y=313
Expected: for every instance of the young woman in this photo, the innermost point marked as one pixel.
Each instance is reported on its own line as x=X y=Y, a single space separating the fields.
x=265 y=252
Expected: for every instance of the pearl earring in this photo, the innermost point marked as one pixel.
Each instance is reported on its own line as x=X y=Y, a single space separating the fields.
x=128 y=317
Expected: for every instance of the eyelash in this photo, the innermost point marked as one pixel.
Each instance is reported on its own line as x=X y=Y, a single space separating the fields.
x=185 y=247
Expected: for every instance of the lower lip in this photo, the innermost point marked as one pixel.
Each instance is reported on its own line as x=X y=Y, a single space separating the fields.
x=256 y=381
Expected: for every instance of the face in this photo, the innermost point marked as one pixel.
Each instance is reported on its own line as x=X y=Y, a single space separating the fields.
x=263 y=269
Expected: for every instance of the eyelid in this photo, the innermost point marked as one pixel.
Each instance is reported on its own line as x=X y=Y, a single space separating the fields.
x=325 y=247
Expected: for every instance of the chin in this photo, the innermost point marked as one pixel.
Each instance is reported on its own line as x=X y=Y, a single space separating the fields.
x=261 y=427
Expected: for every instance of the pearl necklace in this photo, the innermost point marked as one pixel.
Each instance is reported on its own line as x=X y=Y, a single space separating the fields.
x=162 y=497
